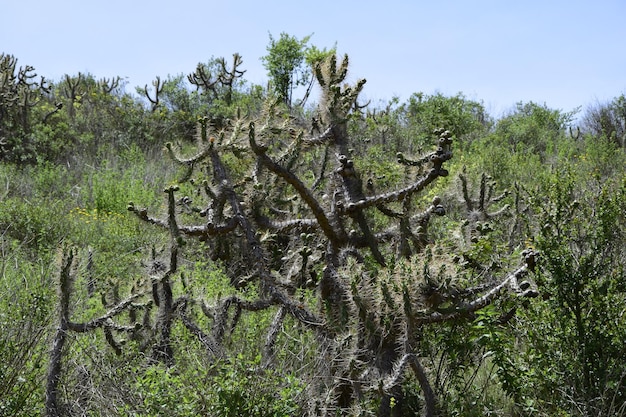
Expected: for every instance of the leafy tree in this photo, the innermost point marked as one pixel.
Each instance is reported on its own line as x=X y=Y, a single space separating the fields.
x=284 y=63
x=408 y=126
x=530 y=127
x=289 y=63
x=466 y=119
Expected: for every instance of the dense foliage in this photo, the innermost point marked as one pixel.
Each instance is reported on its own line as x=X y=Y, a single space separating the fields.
x=277 y=260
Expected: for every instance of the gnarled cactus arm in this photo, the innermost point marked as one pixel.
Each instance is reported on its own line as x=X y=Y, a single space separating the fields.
x=511 y=281
x=297 y=184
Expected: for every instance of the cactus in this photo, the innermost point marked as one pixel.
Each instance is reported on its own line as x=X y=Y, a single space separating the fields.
x=73 y=88
x=317 y=232
x=158 y=89
x=478 y=208
x=19 y=93
x=66 y=325
x=279 y=221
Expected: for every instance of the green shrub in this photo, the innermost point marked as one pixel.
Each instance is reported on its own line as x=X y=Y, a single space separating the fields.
x=575 y=337
x=242 y=388
x=38 y=223
x=25 y=309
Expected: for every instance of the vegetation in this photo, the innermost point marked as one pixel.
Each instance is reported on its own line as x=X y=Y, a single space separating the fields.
x=209 y=247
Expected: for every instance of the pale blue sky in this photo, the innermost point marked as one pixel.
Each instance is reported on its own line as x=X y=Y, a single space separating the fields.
x=561 y=53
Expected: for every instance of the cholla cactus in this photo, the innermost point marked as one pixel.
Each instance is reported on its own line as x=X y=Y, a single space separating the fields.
x=479 y=208
x=19 y=93
x=279 y=219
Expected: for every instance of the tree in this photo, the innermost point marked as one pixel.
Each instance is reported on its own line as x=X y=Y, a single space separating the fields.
x=607 y=120
x=530 y=127
x=289 y=63
x=465 y=118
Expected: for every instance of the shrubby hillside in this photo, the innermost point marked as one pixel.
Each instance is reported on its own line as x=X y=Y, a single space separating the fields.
x=205 y=246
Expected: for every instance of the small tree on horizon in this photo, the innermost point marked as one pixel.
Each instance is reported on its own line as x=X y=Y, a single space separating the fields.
x=290 y=62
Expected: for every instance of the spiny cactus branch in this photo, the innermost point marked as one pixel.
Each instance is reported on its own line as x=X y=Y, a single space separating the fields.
x=272 y=334
x=158 y=89
x=213 y=348
x=203 y=79
x=56 y=354
x=255 y=250
x=511 y=282
x=437 y=158
x=322 y=139
x=485 y=198
x=65 y=325
x=395 y=378
x=104 y=319
x=227 y=77
x=188 y=161
x=287 y=225
x=296 y=183
x=403 y=160
x=393 y=196
x=109 y=84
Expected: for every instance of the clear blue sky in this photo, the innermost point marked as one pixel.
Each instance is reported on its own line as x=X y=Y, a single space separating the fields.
x=561 y=53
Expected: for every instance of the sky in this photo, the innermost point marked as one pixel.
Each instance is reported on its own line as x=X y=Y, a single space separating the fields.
x=564 y=54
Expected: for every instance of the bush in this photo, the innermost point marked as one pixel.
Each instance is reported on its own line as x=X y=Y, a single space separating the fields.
x=25 y=309
x=575 y=337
